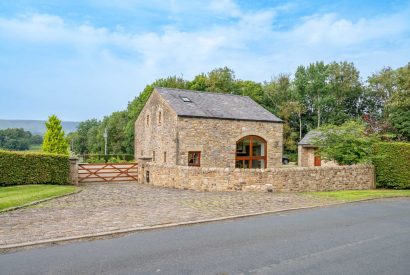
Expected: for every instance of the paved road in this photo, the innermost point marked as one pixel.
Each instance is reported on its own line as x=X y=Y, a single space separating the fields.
x=362 y=238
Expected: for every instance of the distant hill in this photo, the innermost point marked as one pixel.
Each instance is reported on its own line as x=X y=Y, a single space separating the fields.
x=35 y=126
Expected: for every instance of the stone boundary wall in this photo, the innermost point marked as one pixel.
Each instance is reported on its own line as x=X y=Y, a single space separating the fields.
x=295 y=179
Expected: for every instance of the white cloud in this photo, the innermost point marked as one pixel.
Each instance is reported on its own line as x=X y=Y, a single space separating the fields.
x=110 y=66
x=227 y=7
x=331 y=30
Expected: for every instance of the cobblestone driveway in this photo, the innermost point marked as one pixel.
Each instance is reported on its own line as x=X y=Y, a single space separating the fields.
x=111 y=207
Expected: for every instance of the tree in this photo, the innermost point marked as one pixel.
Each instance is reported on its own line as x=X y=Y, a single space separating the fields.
x=54 y=139
x=345 y=93
x=381 y=86
x=388 y=96
x=221 y=80
x=280 y=97
x=115 y=124
x=81 y=140
x=15 y=139
x=346 y=144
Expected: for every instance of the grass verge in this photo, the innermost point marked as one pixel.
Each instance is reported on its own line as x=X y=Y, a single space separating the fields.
x=13 y=196
x=356 y=195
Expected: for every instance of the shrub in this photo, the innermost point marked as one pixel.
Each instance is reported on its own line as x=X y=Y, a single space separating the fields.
x=33 y=168
x=392 y=163
x=346 y=144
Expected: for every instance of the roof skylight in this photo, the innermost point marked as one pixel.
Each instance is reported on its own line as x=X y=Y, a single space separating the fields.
x=185 y=99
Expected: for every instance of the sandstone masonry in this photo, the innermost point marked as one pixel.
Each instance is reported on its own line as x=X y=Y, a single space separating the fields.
x=297 y=179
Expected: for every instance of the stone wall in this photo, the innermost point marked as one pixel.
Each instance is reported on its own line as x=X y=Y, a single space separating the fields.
x=216 y=139
x=297 y=179
x=306 y=156
x=155 y=135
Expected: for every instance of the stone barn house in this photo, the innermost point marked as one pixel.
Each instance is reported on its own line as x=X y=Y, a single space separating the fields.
x=201 y=129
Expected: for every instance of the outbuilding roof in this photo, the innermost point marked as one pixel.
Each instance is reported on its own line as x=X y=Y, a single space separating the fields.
x=308 y=139
x=215 y=105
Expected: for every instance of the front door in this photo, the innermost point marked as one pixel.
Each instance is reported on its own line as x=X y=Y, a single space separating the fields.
x=318 y=161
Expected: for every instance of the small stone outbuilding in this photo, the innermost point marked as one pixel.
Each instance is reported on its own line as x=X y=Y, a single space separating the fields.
x=190 y=128
x=307 y=152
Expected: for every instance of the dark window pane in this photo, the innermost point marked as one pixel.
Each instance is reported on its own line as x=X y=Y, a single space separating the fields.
x=194 y=158
x=243 y=148
x=258 y=148
x=258 y=163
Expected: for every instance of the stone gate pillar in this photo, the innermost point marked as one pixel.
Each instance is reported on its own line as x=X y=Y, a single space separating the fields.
x=142 y=177
x=74 y=170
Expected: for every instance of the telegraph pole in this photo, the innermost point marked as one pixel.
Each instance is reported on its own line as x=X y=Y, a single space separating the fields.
x=105 y=139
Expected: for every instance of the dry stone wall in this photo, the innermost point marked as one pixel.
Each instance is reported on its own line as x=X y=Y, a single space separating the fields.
x=297 y=179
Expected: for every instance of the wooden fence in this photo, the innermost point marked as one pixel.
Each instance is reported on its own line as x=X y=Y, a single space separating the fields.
x=108 y=172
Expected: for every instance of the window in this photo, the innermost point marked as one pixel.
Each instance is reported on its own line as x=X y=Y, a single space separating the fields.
x=194 y=158
x=142 y=152
x=185 y=99
x=165 y=157
x=147 y=120
x=159 y=118
x=250 y=152
x=153 y=155
x=147 y=176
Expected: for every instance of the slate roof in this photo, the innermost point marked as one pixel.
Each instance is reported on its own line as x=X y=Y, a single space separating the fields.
x=215 y=105
x=307 y=140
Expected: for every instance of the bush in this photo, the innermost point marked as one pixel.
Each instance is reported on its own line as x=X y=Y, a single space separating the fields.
x=33 y=168
x=346 y=144
x=392 y=163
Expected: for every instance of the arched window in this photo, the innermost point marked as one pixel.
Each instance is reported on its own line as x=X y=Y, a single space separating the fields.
x=250 y=152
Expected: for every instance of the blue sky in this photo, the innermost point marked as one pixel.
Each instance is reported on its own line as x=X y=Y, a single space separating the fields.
x=85 y=59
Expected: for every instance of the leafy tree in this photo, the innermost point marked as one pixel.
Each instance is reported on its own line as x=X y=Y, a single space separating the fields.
x=346 y=144
x=15 y=139
x=221 y=80
x=345 y=93
x=280 y=98
x=115 y=124
x=200 y=83
x=249 y=88
x=36 y=139
x=381 y=86
x=54 y=139
x=398 y=107
x=81 y=142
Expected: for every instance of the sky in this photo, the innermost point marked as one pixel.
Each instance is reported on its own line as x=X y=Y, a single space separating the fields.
x=87 y=59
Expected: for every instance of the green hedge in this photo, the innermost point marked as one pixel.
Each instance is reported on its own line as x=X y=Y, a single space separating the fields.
x=392 y=163
x=33 y=168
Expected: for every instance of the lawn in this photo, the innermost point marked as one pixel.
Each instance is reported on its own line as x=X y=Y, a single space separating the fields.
x=354 y=195
x=13 y=196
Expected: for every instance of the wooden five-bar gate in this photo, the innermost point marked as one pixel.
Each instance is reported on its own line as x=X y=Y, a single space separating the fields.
x=108 y=172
